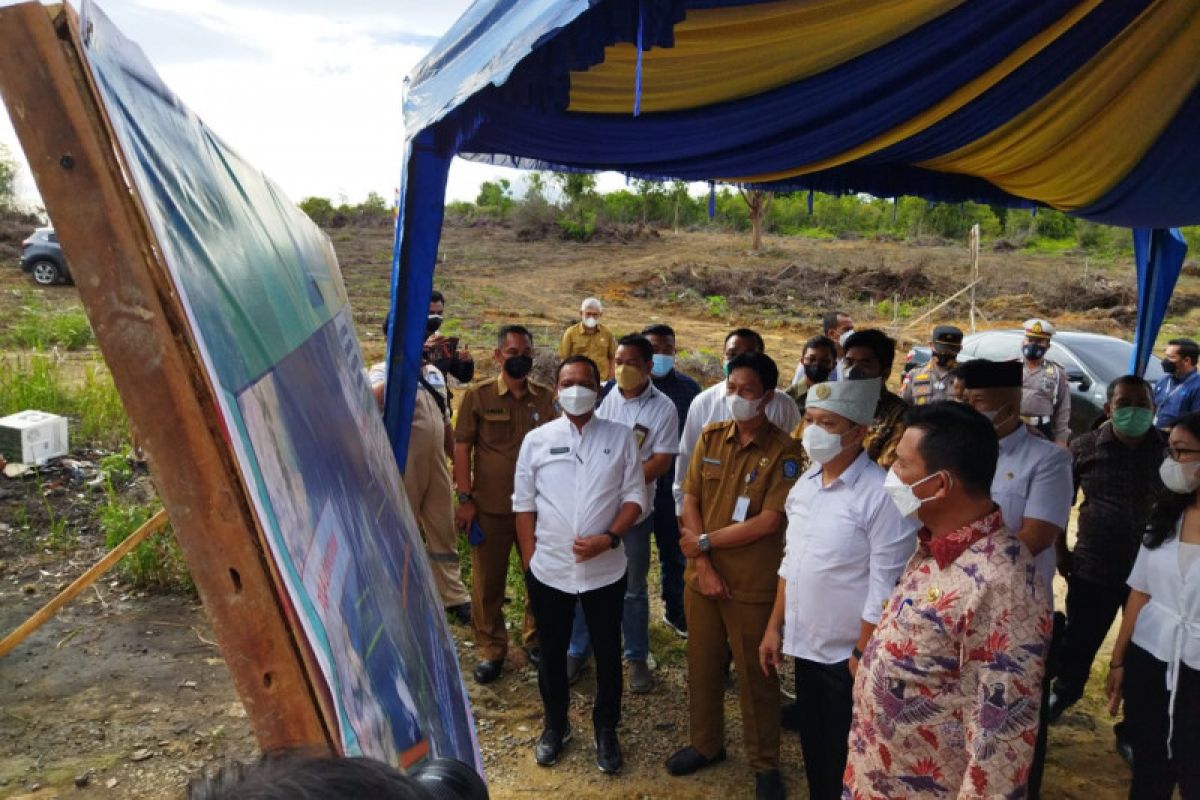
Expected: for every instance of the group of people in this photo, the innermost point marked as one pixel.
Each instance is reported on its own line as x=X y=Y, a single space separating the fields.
x=900 y=548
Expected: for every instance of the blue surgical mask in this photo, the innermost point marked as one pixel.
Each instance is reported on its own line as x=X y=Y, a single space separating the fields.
x=662 y=365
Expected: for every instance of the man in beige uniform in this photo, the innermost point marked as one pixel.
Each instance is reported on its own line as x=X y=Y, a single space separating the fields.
x=589 y=338
x=1045 y=392
x=493 y=419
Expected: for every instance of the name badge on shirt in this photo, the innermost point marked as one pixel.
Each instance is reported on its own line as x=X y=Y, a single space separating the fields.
x=559 y=451
x=640 y=432
x=741 y=508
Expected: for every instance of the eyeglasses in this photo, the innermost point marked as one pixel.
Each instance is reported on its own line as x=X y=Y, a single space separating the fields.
x=1181 y=453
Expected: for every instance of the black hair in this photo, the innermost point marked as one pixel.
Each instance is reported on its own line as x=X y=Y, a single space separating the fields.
x=437 y=297
x=1169 y=506
x=658 y=330
x=821 y=343
x=639 y=343
x=292 y=777
x=747 y=333
x=578 y=359
x=957 y=439
x=829 y=320
x=1130 y=380
x=763 y=366
x=879 y=343
x=520 y=330
x=1187 y=349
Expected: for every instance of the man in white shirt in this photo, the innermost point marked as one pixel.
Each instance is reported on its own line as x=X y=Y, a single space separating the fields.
x=846 y=545
x=651 y=415
x=577 y=491
x=1034 y=488
x=709 y=407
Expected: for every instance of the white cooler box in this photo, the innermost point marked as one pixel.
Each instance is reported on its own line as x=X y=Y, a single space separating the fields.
x=33 y=437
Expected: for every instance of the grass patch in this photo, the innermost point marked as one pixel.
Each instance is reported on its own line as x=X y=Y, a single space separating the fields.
x=1043 y=244
x=38 y=327
x=156 y=563
x=39 y=382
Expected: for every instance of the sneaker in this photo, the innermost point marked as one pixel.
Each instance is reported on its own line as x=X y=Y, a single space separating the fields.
x=768 y=785
x=608 y=752
x=460 y=614
x=575 y=669
x=677 y=624
x=550 y=746
x=640 y=681
x=689 y=760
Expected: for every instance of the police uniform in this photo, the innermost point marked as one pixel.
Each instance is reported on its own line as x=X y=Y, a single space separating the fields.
x=1045 y=392
x=494 y=422
x=597 y=344
x=733 y=480
x=931 y=382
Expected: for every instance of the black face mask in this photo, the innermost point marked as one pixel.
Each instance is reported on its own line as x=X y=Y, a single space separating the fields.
x=857 y=374
x=1033 y=351
x=1168 y=366
x=518 y=366
x=816 y=373
x=432 y=323
x=944 y=359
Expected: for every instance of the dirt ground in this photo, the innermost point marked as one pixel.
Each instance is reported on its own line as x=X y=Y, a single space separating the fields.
x=125 y=695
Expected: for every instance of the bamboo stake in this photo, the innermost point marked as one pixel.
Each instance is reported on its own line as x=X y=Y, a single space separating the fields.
x=47 y=612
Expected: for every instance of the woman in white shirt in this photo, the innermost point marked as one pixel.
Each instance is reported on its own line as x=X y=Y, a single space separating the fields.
x=1156 y=661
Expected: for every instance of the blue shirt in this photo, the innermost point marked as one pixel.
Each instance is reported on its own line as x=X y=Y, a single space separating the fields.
x=681 y=390
x=1175 y=399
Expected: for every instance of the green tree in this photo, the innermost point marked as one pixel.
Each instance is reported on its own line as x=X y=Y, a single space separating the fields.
x=319 y=210
x=8 y=178
x=576 y=186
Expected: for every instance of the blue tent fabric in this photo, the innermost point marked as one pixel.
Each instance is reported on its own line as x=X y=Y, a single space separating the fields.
x=498 y=89
x=1159 y=256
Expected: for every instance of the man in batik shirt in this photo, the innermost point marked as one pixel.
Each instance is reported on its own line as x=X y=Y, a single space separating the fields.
x=947 y=693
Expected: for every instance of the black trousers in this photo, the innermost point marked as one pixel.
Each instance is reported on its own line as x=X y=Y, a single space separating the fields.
x=1091 y=609
x=1038 y=765
x=825 y=705
x=1146 y=725
x=555 y=614
x=670 y=557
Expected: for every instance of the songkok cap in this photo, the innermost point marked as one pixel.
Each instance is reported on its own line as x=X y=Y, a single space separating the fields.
x=854 y=400
x=1038 y=328
x=948 y=336
x=979 y=373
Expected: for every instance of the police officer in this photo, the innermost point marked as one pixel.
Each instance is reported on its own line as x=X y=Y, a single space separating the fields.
x=1046 y=395
x=732 y=533
x=931 y=382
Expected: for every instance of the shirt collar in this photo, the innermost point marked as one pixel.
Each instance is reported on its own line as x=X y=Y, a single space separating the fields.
x=946 y=549
x=760 y=438
x=849 y=475
x=651 y=390
x=1015 y=439
x=502 y=387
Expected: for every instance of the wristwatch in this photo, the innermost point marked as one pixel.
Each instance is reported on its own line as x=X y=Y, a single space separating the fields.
x=464 y=497
x=705 y=544
x=615 y=541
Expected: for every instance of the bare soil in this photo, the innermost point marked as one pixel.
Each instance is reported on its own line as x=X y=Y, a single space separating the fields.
x=126 y=694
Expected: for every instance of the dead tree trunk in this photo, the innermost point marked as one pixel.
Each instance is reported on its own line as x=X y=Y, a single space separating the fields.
x=759 y=204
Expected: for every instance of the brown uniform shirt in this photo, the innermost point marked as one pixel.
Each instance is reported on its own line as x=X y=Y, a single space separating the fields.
x=495 y=422
x=599 y=346
x=721 y=471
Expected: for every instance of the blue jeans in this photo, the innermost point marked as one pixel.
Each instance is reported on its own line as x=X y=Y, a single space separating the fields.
x=635 y=619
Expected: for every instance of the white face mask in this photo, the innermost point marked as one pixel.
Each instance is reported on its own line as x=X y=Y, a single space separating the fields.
x=740 y=408
x=902 y=493
x=590 y=322
x=577 y=400
x=1180 y=478
x=821 y=445
x=993 y=414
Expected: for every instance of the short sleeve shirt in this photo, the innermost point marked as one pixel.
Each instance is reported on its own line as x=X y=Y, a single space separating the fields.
x=494 y=422
x=655 y=424
x=598 y=345
x=721 y=471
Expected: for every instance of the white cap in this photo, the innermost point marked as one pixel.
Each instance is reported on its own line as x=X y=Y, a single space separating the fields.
x=1039 y=327
x=854 y=400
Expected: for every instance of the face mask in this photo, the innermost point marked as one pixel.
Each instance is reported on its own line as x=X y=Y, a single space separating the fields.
x=1168 y=366
x=590 y=322
x=854 y=374
x=518 y=366
x=629 y=377
x=944 y=359
x=577 y=400
x=902 y=494
x=662 y=365
x=1132 y=421
x=432 y=323
x=740 y=408
x=725 y=367
x=1033 y=351
x=821 y=445
x=1180 y=478
x=816 y=373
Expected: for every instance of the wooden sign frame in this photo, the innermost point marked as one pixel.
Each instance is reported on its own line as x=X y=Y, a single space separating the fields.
x=142 y=332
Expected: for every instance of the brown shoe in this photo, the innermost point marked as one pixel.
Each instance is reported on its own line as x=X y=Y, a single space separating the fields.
x=640 y=681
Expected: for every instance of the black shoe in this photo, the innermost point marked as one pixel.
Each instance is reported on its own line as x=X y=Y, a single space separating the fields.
x=550 y=746
x=460 y=613
x=789 y=717
x=608 y=752
x=689 y=760
x=1055 y=708
x=769 y=785
x=535 y=656
x=575 y=669
x=488 y=671
x=1124 y=748
x=677 y=623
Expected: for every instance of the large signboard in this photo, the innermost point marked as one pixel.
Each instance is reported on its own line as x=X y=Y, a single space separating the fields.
x=267 y=309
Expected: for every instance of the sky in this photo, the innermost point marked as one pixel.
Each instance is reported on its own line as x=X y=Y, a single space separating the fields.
x=309 y=91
